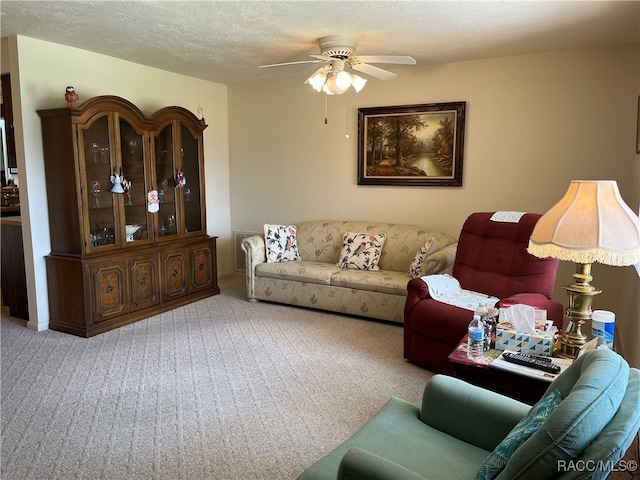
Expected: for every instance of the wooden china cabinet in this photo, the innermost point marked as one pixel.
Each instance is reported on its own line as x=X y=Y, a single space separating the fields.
x=126 y=203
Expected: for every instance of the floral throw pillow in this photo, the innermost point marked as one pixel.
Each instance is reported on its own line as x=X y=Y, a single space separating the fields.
x=416 y=269
x=361 y=251
x=281 y=243
x=497 y=460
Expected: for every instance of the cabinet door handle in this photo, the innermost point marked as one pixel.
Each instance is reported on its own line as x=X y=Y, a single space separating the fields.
x=143 y=280
x=174 y=273
x=201 y=267
x=109 y=289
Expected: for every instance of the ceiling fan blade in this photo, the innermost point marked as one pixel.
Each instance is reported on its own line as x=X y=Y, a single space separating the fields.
x=322 y=57
x=323 y=69
x=374 y=71
x=399 y=59
x=290 y=63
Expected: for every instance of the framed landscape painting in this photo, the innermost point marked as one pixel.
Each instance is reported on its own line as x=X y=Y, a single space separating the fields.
x=414 y=145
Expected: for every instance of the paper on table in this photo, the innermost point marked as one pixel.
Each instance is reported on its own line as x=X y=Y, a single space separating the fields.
x=501 y=364
x=510 y=217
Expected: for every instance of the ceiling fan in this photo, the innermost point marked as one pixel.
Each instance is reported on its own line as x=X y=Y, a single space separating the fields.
x=338 y=52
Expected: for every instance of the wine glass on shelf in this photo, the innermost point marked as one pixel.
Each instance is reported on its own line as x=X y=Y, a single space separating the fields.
x=105 y=154
x=95 y=149
x=96 y=190
x=133 y=145
x=163 y=189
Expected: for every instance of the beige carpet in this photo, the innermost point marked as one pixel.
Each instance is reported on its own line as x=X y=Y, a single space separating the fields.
x=219 y=389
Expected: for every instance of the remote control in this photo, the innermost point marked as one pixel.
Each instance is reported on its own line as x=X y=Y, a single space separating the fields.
x=531 y=361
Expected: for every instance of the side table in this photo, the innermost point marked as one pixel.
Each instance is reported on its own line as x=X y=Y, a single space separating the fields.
x=525 y=389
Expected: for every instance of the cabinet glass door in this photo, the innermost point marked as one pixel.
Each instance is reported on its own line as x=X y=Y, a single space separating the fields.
x=133 y=146
x=98 y=161
x=190 y=170
x=165 y=178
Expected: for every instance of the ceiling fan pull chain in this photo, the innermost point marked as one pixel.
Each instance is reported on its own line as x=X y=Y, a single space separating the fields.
x=346 y=134
x=325 y=109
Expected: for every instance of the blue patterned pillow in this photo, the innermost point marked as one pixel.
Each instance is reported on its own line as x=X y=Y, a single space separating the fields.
x=361 y=251
x=496 y=460
x=281 y=243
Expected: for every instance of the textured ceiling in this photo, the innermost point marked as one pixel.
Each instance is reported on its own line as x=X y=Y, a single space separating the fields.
x=225 y=42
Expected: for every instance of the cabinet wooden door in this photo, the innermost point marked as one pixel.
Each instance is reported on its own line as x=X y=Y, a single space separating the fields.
x=202 y=273
x=190 y=171
x=178 y=165
x=174 y=274
x=97 y=163
x=167 y=219
x=109 y=286
x=136 y=179
x=144 y=281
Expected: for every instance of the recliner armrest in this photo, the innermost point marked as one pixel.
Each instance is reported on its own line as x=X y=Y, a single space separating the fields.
x=363 y=465
x=417 y=290
x=452 y=405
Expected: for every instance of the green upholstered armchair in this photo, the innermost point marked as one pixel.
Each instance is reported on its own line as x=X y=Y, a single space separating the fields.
x=460 y=425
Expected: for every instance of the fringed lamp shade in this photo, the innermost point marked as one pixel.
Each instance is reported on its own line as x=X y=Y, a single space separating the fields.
x=590 y=224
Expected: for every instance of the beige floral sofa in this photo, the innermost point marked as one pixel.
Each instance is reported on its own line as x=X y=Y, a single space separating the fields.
x=315 y=280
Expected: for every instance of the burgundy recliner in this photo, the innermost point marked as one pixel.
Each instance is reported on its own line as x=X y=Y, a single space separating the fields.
x=491 y=258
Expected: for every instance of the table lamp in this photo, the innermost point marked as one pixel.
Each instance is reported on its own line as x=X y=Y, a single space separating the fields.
x=591 y=223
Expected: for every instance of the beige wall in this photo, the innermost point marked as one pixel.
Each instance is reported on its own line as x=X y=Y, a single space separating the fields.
x=534 y=123
x=40 y=71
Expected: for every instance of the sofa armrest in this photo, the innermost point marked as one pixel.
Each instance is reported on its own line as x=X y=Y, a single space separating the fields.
x=470 y=413
x=254 y=253
x=441 y=262
x=363 y=465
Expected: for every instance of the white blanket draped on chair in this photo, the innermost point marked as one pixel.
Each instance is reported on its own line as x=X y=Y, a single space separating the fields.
x=446 y=289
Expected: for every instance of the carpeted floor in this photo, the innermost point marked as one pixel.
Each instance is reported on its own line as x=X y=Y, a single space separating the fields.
x=219 y=389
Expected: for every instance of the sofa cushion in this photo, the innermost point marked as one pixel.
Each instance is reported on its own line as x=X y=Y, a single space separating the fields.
x=383 y=281
x=498 y=458
x=299 y=271
x=361 y=250
x=417 y=267
x=281 y=243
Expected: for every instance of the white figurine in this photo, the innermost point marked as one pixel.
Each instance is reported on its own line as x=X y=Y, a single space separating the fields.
x=117 y=183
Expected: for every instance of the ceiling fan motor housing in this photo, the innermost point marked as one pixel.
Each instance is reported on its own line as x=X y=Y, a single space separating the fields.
x=338 y=46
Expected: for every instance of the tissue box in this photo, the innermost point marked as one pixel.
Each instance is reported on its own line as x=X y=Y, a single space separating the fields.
x=531 y=343
x=541 y=314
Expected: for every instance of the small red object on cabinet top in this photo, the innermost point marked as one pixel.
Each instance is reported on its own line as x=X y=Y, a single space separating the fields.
x=70 y=95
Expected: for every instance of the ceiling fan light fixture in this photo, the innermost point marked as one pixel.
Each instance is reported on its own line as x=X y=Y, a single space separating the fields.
x=338 y=82
x=317 y=81
x=358 y=82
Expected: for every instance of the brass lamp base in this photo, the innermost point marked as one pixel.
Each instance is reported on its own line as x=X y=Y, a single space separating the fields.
x=581 y=295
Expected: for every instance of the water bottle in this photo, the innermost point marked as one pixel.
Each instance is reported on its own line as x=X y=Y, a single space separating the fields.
x=475 y=342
